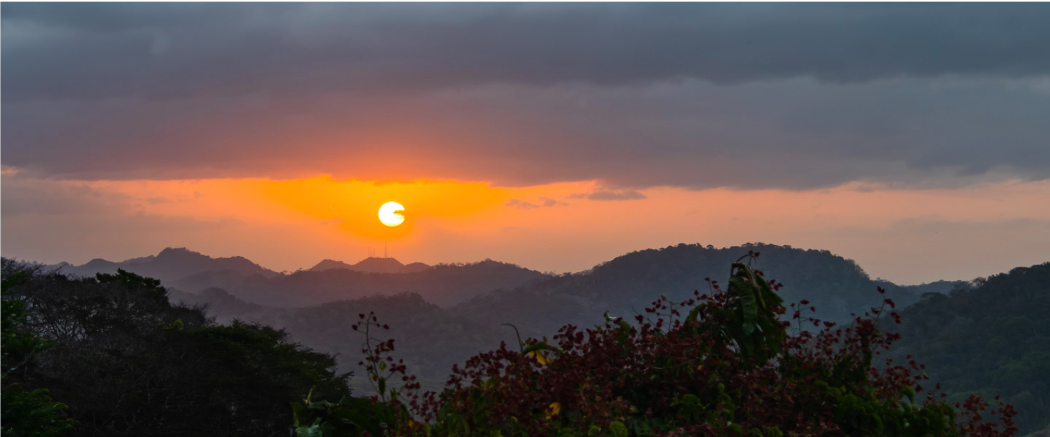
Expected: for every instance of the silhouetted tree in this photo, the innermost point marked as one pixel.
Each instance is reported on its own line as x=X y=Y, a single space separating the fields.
x=127 y=362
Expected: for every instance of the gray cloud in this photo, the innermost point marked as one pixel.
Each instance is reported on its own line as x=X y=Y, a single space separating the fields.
x=701 y=95
x=545 y=202
x=520 y=204
x=615 y=195
x=90 y=51
x=548 y=202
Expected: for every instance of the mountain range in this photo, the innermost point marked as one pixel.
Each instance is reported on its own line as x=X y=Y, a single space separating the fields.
x=188 y=271
x=446 y=313
x=170 y=265
x=442 y=315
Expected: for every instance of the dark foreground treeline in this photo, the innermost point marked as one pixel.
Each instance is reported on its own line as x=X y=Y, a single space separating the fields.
x=117 y=358
x=126 y=362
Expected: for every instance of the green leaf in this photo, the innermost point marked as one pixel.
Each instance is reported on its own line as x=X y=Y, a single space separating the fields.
x=537 y=346
x=297 y=414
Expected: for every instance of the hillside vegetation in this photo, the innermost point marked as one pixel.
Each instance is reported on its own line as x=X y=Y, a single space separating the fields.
x=991 y=338
x=123 y=361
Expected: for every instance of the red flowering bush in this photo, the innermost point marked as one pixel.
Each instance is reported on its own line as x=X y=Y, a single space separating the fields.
x=722 y=363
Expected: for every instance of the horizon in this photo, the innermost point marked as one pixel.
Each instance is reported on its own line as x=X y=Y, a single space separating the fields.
x=351 y=262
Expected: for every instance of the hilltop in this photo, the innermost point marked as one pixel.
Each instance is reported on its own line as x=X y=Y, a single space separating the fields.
x=371 y=264
x=836 y=286
x=171 y=265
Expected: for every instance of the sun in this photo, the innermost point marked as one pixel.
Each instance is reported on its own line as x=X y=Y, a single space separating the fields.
x=392 y=214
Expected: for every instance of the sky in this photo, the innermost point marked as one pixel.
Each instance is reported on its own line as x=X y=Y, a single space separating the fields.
x=911 y=138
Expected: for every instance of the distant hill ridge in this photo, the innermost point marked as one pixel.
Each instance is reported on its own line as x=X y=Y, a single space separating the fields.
x=328 y=281
x=371 y=265
x=467 y=304
x=170 y=265
x=443 y=284
x=623 y=282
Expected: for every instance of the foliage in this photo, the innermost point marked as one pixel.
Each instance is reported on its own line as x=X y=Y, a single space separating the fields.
x=990 y=338
x=26 y=412
x=127 y=362
x=349 y=417
x=384 y=410
x=722 y=363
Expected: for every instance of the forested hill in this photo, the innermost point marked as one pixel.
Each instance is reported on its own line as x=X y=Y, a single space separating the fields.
x=992 y=338
x=836 y=286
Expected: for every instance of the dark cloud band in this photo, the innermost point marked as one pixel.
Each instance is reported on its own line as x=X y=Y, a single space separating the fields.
x=698 y=95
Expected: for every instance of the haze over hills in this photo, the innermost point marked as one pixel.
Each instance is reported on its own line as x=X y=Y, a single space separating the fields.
x=472 y=319
x=170 y=265
x=495 y=291
x=444 y=284
x=328 y=281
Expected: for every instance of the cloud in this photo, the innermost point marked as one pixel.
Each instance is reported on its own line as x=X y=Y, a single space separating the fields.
x=95 y=51
x=22 y=197
x=520 y=204
x=548 y=202
x=791 y=96
x=616 y=195
x=544 y=202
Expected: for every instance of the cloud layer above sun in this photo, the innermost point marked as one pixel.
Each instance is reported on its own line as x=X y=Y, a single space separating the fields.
x=790 y=96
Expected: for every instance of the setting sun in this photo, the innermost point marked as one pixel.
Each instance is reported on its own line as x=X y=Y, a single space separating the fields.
x=392 y=214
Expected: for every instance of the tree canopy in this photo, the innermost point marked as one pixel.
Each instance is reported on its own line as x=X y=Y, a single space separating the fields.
x=127 y=362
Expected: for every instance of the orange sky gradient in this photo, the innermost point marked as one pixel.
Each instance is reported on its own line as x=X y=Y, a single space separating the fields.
x=907 y=236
